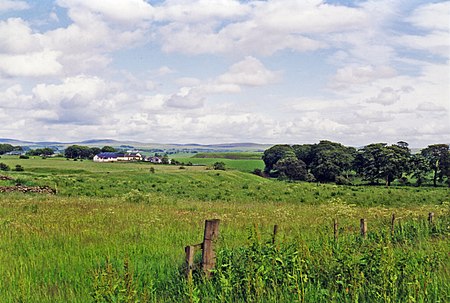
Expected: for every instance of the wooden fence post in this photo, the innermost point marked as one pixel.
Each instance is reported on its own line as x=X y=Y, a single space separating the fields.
x=189 y=250
x=275 y=231
x=430 y=217
x=208 y=254
x=392 y=224
x=335 y=228
x=363 y=227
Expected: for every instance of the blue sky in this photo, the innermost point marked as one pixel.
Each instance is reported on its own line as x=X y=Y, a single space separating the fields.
x=216 y=71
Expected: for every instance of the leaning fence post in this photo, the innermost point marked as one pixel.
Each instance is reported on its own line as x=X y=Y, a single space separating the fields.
x=189 y=250
x=363 y=227
x=392 y=224
x=208 y=254
x=430 y=217
x=335 y=228
x=275 y=231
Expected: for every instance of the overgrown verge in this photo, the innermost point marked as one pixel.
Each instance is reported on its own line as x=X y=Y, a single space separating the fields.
x=410 y=265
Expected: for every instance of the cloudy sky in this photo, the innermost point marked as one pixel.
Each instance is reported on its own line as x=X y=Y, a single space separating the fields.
x=219 y=71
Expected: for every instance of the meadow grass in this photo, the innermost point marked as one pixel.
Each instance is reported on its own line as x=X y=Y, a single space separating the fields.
x=59 y=248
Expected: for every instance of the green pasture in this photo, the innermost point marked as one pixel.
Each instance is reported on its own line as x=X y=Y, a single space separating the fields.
x=72 y=247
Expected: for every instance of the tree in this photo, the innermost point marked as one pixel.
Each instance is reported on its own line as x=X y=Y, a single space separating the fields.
x=330 y=159
x=80 y=152
x=304 y=152
x=438 y=158
x=379 y=161
x=47 y=151
x=6 y=148
x=419 y=168
x=165 y=159
x=108 y=149
x=292 y=168
x=272 y=155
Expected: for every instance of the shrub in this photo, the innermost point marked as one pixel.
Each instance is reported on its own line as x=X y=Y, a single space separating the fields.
x=219 y=166
x=24 y=157
x=4 y=167
x=258 y=172
x=19 y=168
x=341 y=180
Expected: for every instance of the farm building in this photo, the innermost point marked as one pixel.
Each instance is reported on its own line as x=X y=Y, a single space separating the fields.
x=115 y=157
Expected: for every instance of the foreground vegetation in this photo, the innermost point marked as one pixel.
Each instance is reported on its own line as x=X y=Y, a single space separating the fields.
x=117 y=232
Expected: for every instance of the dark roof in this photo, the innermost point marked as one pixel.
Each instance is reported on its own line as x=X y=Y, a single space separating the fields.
x=107 y=155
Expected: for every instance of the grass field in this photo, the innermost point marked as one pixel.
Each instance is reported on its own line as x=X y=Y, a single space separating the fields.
x=55 y=248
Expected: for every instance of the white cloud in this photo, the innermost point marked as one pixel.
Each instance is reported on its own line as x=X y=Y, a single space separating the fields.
x=118 y=10
x=194 y=11
x=253 y=27
x=17 y=37
x=351 y=75
x=432 y=16
x=387 y=96
x=249 y=72
x=37 y=64
x=90 y=88
x=187 y=98
x=430 y=107
x=6 y=5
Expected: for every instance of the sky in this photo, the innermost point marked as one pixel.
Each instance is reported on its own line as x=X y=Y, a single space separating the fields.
x=223 y=71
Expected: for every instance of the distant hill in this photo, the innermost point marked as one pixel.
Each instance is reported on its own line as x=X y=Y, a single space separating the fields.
x=224 y=147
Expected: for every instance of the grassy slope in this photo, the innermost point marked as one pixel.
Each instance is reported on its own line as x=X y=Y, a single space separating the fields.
x=50 y=246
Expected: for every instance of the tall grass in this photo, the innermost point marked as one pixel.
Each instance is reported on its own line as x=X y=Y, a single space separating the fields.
x=57 y=249
x=118 y=232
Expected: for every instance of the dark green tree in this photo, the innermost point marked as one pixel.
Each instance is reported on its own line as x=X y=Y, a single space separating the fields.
x=330 y=159
x=80 y=152
x=379 y=161
x=304 y=152
x=272 y=155
x=419 y=168
x=291 y=168
x=108 y=149
x=438 y=158
x=6 y=148
x=47 y=151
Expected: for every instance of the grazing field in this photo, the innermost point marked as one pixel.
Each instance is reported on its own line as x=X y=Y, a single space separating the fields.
x=117 y=232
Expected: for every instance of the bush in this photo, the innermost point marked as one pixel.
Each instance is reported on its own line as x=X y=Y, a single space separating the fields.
x=219 y=166
x=19 y=168
x=24 y=157
x=341 y=180
x=258 y=172
x=4 y=167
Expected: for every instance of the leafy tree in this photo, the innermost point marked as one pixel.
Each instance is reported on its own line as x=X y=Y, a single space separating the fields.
x=379 y=161
x=438 y=157
x=419 y=168
x=292 y=168
x=108 y=149
x=6 y=148
x=272 y=155
x=304 y=152
x=80 y=152
x=330 y=159
x=165 y=159
x=95 y=151
x=47 y=151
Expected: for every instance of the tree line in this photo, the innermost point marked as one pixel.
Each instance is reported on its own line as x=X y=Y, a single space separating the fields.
x=7 y=148
x=329 y=161
x=85 y=152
